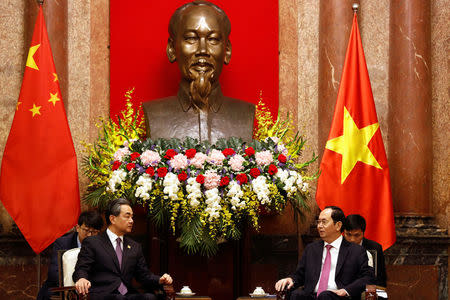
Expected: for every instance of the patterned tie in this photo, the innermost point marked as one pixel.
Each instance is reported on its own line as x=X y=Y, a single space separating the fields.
x=323 y=282
x=122 y=288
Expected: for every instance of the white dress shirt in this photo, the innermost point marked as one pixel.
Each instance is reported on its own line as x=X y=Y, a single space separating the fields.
x=334 y=252
x=113 y=238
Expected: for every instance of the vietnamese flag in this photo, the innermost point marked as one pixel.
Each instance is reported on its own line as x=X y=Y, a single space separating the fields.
x=39 y=179
x=354 y=168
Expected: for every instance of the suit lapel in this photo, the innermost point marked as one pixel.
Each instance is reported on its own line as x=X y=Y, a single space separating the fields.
x=343 y=251
x=106 y=242
x=126 y=251
x=318 y=261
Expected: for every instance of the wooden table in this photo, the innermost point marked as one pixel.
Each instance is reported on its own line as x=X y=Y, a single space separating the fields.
x=272 y=297
x=193 y=298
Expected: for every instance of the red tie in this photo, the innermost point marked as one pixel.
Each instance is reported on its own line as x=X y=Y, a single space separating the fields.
x=323 y=282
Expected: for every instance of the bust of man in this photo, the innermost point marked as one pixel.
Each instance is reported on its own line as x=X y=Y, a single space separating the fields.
x=199 y=42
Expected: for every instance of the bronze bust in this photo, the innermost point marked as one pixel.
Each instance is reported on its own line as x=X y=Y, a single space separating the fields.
x=199 y=42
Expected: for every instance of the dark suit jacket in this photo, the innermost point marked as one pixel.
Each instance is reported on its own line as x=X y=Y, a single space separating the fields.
x=381 y=267
x=98 y=263
x=352 y=270
x=66 y=242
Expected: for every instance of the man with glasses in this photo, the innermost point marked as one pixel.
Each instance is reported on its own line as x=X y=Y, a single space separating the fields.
x=89 y=223
x=331 y=268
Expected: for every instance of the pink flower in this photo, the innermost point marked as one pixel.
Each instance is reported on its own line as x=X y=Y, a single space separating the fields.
x=216 y=157
x=235 y=162
x=150 y=158
x=198 y=160
x=212 y=180
x=120 y=153
x=263 y=158
x=179 y=162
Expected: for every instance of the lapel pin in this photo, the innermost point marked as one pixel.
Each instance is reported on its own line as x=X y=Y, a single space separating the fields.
x=129 y=247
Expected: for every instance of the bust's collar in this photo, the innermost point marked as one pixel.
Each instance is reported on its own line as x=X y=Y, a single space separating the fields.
x=215 y=98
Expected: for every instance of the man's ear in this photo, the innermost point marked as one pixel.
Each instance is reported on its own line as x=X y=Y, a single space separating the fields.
x=228 y=53
x=339 y=225
x=111 y=219
x=170 y=50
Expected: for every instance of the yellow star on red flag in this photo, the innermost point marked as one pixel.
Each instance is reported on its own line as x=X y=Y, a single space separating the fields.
x=30 y=60
x=352 y=145
x=35 y=110
x=54 y=98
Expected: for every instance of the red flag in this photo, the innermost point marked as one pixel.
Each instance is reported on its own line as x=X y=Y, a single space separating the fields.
x=354 y=168
x=39 y=179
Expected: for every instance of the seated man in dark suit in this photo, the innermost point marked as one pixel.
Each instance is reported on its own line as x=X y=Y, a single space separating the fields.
x=89 y=223
x=109 y=261
x=354 y=228
x=331 y=268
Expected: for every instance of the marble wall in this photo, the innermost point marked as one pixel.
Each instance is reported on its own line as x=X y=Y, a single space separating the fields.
x=88 y=78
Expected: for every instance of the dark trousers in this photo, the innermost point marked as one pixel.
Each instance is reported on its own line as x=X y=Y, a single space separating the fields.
x=146 y=296
x=326 y=295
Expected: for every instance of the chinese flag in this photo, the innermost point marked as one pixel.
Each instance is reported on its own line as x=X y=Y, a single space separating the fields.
x=354 y=168
x=39 y=180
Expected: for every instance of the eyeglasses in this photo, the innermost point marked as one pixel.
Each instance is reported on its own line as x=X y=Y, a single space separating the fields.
x=90 y=230
x=323 y=222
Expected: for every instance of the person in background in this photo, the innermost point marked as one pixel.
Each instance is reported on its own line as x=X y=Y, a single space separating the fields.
x=354 y=228
x=89 y=223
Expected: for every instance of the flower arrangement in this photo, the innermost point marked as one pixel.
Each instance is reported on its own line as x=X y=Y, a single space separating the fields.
x=205 y=192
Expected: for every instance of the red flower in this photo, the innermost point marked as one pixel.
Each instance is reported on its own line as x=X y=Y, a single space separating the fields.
x=170 y=153
x=182 y=176
x=162 y=172
x=224 y=181
x=282 y=158
x=242 y=178
x=255 y=172
x=134 y=156
x=130 y=166
x=200 y=178
x=116 y=165
x=250 y=151
x=150 y=171
x=190 y=153
x=273 y=169
x=228 y=152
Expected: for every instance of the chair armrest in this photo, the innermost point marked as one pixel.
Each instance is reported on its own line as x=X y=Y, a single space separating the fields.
x=169 y=291
x=73 y=294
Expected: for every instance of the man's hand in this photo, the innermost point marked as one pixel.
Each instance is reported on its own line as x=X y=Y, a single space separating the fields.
x=82 y=286
x=284 y=283
x=341 y=292
x=165 y=279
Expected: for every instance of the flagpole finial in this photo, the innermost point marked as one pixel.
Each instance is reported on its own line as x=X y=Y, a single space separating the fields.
x=40 y=2
x=355 y=7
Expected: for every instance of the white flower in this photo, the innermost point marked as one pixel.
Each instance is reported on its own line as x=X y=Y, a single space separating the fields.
x=305 y=186
x=117 y=177
x=282 y=174
x=213 y=204
x=235 y=193
x=171 y=184
x=193 y=188
x=261 y=189
x=145 y=186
